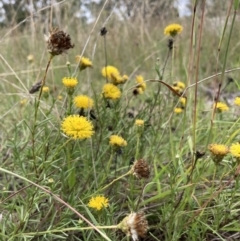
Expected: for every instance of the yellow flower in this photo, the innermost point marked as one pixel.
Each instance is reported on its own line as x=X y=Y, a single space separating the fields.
x=141 y=83
x=179 y=84
x=134 y=225
x=221 y=106
x=173 y=29
x=178 y=110
x=218 y=151
x=235 y=150
x=77 y=127
x=117 y=141
x=45 y=89
x=98 y=202
x=111 y=91
x=183 y=101
x=69 y=82
x=60 y=97
x=30 y=58
x=124 y=78
x=237 y=101
x=83 y=101
x=139 y=122
x=112 y=74
x=84 y=62
x=23 y=101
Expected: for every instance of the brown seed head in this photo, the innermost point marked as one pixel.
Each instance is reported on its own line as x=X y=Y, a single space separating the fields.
x=134 y=225
x=141 y=169
x=58 y=42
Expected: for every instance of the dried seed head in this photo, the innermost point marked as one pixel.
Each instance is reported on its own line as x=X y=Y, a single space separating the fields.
x=141 y=169
x=103 y=31
x=35 y=87
x=134 y=225
x=58 y=42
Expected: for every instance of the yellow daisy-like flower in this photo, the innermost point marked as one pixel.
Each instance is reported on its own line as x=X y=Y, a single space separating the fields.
x=84 y=62
x=221 y=107
x=235 y=150
x=179 y=84
x=141 y=83
x=98 y=202
x=237 y=101
x=110 y=91
x=124 y=78
x=45 y=89
x=77 y=127
x=183 y=101
x=60 y=97
x=23 y=102
x=83 y=101
x=112 y=74
x=218 y=151
x=139 y=122
x=178 y=110
x=173 y=29
x=117 y=141
x=30 y=58
x=69 y=82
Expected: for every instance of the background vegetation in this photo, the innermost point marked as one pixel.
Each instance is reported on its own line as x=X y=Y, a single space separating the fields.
x=187 y=196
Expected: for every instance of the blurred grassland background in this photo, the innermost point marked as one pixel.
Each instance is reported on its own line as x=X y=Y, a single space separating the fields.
x=135 y=44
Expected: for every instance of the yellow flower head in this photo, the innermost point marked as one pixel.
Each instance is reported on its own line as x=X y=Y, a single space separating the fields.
x=179 y=84
x=23 y=102
x=84 y=62
x=183 y=101
x=178 y=110
x=69 y=82
x=173 y=29
x=77 y=127
x=30 y=58
x=60 y=97
x=139 y=122
x=110 y=91
x=141 y=83
x=221 y=107
x=98 y=202
x=237 y=101
x=117 y=141
x=124 y=78
x=83 y=101
x=45 y=89
x=218 y=151
x=235 y=150
x=112 y=74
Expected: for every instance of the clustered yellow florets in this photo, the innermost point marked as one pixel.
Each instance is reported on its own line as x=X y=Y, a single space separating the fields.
x=179 y=87
x=110 y=91
x=173 y=29
x=83 y=101
x=237 y=101
x=83 y=62
x=77 y=127
x=117 y=141
x=112 y=74
x=235 y=150
x=221 y=107
x=218 y=151
x=139 y=122
x=45 y=89
x=98 y=202
x=69 y=82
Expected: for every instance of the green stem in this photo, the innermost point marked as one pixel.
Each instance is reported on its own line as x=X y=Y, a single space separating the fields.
x=124 y=175
x=66 y=230
x=58 y=199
